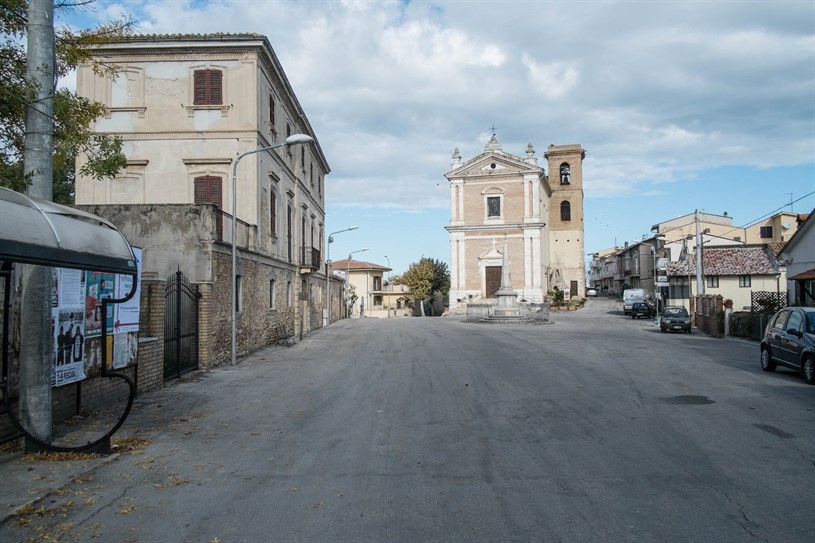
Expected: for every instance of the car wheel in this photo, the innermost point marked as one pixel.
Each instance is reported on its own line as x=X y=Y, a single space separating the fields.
x=767 y=363
x=809 y=370
x=662 y=329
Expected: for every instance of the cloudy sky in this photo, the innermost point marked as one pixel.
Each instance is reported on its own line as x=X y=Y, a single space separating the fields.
x=680 y=105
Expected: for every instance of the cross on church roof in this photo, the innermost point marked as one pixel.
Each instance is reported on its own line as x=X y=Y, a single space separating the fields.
x=493 y=129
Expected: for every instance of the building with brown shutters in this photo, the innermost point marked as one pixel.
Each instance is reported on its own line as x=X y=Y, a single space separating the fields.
x=185 y=106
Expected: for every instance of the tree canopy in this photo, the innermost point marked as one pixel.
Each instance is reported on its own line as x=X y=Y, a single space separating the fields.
x=73 y=115
x=425 y=277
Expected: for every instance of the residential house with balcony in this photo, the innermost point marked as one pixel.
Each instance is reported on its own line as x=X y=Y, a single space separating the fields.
x=640 y=265
x=370 y=294
x=603 y=275
x=185 y=106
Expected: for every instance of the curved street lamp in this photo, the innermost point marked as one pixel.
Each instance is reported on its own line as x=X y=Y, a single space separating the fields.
x=294 y=139
x=328 y=270
x=348 y=273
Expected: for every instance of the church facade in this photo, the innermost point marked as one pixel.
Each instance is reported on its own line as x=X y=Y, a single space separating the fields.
x=496 y=197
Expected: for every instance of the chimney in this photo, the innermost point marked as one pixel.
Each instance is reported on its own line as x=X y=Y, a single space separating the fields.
x=725 y=213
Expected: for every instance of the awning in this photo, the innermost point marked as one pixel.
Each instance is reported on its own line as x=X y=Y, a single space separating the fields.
x=808 y=275
x=35 y=231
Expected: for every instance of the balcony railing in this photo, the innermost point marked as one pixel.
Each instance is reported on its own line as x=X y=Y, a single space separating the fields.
x=223 y=230
x=310 y=257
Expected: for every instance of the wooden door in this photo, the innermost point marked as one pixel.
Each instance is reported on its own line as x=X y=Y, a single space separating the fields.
x=493 y=280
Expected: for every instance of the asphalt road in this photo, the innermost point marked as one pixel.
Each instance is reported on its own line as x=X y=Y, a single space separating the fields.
x=594 y=428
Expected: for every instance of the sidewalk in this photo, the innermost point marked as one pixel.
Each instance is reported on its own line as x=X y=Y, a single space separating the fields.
x=29 y=479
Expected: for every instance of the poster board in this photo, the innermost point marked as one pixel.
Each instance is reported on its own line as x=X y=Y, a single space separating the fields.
x=76 y=322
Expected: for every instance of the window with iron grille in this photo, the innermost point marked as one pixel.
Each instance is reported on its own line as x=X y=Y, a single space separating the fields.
x=744 y=280
x=208 y=87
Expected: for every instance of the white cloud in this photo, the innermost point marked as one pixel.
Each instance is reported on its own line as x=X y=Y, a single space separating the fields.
x=655 y=91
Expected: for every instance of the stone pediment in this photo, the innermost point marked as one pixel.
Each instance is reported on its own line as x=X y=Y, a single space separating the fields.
x=494 y=164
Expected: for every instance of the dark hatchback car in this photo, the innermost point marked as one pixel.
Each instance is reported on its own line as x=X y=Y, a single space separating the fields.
x=675 y=318
x=641 y=309
x=789 y=340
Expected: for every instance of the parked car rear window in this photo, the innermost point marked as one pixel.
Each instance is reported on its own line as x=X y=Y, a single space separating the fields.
x=811 y=323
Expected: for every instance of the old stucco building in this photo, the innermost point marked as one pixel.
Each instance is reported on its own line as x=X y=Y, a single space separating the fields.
x=497 y=195
x=186 y=107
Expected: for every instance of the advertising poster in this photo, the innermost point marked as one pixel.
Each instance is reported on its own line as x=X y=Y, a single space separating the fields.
x=76 y=322
x=127 y=313
x=67 y=327
x=98 y=287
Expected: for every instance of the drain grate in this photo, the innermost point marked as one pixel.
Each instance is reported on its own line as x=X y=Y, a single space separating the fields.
x=688 y=400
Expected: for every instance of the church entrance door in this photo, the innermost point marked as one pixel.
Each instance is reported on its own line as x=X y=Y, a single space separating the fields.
x=493 y=280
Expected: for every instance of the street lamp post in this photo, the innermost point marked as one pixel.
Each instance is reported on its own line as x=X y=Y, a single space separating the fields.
x=388 y=308
x=291 y=140
x=328 y=271
x=348 y=273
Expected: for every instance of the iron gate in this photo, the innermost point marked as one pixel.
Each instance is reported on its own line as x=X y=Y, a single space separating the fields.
x=180 y=326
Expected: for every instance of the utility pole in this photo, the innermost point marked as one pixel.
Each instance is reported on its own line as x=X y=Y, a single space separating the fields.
x=700 y=274
x=35 y=319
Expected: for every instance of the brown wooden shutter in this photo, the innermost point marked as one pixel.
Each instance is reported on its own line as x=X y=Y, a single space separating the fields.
x=215 y=87
x=200 y=87
x=207 y=87
x=208 y=190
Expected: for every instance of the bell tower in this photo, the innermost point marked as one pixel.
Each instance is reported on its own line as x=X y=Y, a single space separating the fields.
x=566 y=242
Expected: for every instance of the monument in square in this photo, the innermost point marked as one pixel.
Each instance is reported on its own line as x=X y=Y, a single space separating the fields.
x=507 y=309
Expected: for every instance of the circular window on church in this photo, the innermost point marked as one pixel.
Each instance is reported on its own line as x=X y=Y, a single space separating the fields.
x=492 y=165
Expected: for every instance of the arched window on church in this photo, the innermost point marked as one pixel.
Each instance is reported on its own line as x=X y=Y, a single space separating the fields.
x=565 y=211
x=565 y=174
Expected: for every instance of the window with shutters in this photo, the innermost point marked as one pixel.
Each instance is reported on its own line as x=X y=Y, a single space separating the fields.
x=209 y=190
x=208 y=87
x=271 y=113
x=288 y=134
x=273 y=212
x=765 y=232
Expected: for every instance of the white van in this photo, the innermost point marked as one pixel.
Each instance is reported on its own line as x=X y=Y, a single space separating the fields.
x=630 y=296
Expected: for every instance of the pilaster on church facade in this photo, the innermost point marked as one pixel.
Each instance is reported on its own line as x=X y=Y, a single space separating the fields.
x=497 y=197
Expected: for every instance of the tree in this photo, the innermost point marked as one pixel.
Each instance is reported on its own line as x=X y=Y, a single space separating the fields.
x=73 y=115
x=425 y=277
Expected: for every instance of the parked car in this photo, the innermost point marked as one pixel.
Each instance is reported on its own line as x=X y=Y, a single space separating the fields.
x=675 y=318
x=591 y=292
x=642 y=309
x=789 y=340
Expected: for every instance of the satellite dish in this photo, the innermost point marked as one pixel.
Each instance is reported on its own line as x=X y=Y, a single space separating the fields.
x=786 y=225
